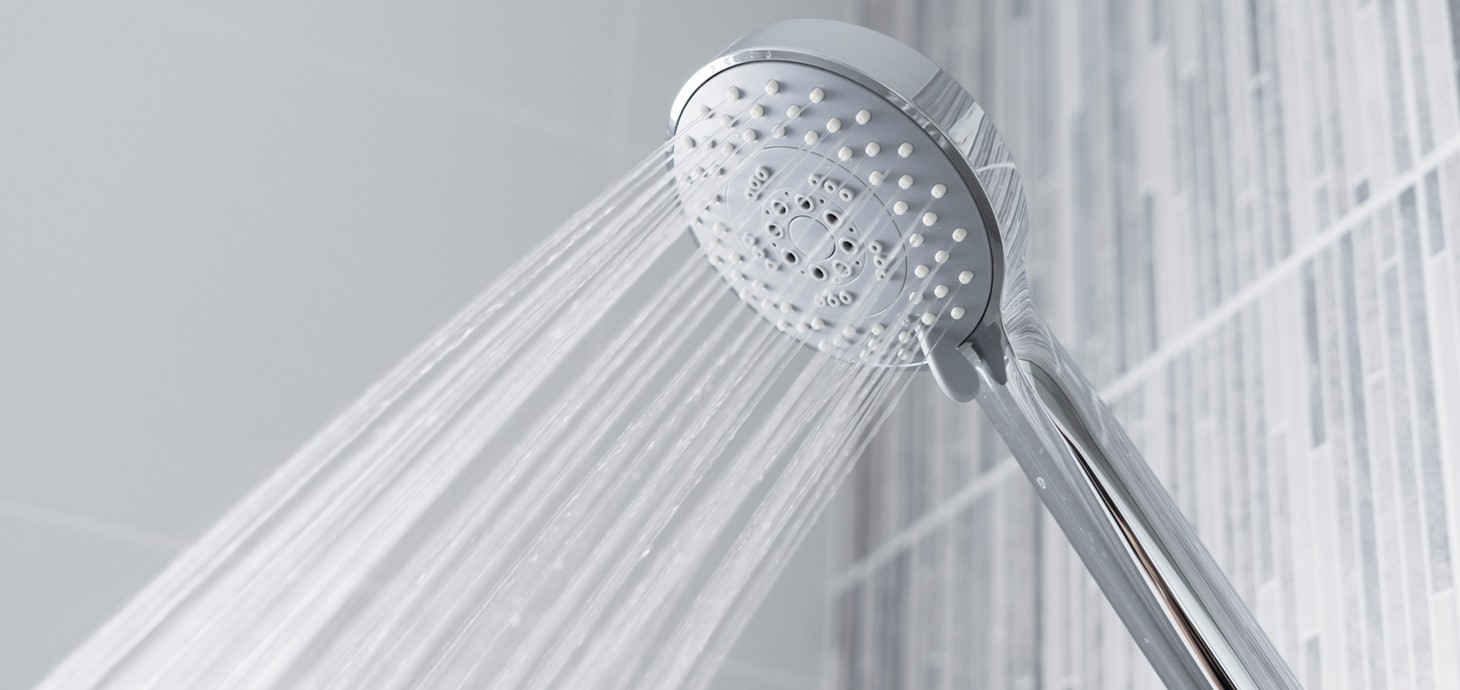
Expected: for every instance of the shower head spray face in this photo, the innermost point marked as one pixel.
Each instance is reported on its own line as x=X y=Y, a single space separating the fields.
x=829 y=174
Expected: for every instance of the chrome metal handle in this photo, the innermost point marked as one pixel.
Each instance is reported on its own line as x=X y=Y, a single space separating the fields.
x=1146 y=558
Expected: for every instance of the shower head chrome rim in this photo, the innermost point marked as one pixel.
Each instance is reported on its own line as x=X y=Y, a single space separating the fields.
x=846 y=204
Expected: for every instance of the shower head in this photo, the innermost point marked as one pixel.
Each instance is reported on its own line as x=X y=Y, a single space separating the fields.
x=836 y=179
x=854 y=195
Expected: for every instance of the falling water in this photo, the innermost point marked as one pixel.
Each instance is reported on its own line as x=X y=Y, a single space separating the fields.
x=588 y=478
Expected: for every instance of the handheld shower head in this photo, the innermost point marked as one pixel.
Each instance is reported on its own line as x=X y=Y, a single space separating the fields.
x=857 y=197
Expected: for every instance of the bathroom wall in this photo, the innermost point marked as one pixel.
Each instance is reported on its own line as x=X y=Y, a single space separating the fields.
x=1247 y=219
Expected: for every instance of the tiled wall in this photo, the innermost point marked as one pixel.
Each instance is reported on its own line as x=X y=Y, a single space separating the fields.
x=1247 y=214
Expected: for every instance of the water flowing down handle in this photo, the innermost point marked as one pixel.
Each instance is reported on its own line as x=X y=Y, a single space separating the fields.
x=1141 y=550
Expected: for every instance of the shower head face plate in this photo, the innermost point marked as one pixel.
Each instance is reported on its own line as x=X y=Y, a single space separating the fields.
x=833 y=211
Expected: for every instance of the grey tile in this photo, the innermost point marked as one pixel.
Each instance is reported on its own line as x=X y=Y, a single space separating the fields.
x=1434 y=218
x=1426 y=412
x=1316 y=425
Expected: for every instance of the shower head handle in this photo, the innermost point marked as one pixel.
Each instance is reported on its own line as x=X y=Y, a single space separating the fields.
x=1149 y=562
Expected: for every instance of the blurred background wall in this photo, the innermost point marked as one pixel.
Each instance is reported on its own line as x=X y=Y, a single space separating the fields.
x=1246 y=218
x=220 y=222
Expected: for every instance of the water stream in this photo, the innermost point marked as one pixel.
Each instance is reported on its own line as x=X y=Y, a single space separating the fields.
x=588 y=478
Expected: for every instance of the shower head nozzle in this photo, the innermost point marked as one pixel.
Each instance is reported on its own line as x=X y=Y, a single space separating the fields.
x=851 y=192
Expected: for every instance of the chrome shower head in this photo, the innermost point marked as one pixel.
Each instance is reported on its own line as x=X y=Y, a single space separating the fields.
x=857 y=197
x=832 y=175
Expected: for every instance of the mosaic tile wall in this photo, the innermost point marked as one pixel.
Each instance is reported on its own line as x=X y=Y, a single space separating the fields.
x=1247 y=218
